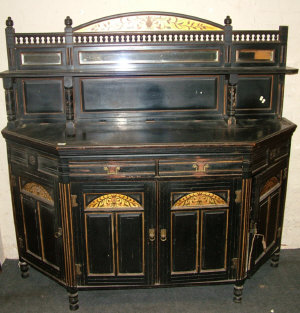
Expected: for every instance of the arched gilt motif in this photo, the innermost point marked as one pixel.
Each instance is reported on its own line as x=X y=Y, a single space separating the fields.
x=200 y=198
x=272 y=182
x=148 y=22
x=37 y=190
x=113 y=200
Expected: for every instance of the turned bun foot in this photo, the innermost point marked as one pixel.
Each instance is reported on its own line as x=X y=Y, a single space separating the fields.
x=24 y=267
x=275 y=259
x=238 y=293
x=73 y=300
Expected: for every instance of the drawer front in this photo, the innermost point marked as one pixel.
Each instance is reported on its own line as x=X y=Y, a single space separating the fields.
x=33 y=160
x=116 y=169
x=279 y=151
x=199 y=167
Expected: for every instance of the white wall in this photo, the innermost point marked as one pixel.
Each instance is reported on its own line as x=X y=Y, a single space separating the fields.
x=48 y=16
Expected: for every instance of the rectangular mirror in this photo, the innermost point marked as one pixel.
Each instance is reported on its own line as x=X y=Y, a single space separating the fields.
x=41 y=58
x=253 y=55
x=147 y=57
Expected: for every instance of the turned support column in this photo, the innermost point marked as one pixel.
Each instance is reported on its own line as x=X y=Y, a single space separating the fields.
x=227 y=41
x=70 y=124
x=68 y=83
x=10 y=43
x=9 y=99
x=231 y=99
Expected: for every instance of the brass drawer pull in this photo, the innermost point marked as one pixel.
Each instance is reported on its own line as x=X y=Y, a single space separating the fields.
x=112 y=170
x=58 y=234
x=152 y=234
x=163 y=234
x=200 y=167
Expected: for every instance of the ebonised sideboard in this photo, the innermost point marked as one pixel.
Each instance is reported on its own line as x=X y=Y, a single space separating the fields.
x=147 y=149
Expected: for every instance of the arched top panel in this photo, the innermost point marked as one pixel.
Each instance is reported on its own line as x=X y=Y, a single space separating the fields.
x=270 y=184
x=113 y=200
x=37 y=190
x=148 y=21
x=200 y=198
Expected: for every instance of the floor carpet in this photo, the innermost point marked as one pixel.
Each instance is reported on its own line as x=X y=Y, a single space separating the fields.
x=270 y=290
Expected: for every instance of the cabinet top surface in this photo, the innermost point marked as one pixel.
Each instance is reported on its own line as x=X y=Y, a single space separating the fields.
x=161 y=135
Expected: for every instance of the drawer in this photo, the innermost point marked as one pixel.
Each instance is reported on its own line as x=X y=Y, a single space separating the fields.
x=278 y=152
x=33 y=160
x=199 y=167
x=116 y=169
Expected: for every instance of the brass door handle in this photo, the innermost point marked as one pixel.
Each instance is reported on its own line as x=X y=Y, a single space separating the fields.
x=163 y=234
x=152 y=234
x=58 y=233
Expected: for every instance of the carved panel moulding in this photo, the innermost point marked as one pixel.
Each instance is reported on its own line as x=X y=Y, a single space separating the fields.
x=200 y=198
x=38 y=191
x=148 y=22
x=113 y=200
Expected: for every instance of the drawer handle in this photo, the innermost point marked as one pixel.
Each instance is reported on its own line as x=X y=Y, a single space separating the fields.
x=152 y=234
x=163 y=234
x=200 y=167
x=112 y=170
x=58 y=234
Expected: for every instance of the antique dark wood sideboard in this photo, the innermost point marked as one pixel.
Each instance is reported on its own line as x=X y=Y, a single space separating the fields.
x=147 y=149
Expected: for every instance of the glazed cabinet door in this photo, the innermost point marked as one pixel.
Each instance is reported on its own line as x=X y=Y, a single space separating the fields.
x=196 y=230
x=37 y=212
x=267 y=213
x=116 y=231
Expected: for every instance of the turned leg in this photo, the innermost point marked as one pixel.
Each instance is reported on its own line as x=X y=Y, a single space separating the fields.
x=24 y=269
x=238 y=291
x=73 y=299
x=275 y=259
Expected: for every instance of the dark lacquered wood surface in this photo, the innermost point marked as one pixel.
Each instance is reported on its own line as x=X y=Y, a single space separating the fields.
x=147 y=158
x=154 y=71
x=151 y=134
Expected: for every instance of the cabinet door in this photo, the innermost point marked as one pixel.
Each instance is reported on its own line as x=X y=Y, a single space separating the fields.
x=267 y=218
x=38 y=224
x=195 y=230
x=116 y=221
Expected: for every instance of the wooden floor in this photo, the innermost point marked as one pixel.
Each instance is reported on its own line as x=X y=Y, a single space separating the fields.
x=271 y=290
